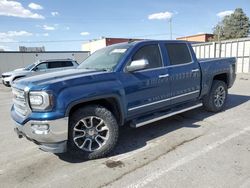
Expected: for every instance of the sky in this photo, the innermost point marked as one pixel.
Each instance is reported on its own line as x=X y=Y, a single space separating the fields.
x=64 y=25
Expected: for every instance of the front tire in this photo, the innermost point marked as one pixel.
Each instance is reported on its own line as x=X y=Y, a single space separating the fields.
x=93 y=132
x=216 y=99
x=7 y=85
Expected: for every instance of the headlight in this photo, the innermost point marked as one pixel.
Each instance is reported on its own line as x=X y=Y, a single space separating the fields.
x=40 y=100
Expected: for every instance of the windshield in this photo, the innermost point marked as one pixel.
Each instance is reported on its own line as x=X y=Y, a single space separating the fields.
x=29 y=67
x=106 y=58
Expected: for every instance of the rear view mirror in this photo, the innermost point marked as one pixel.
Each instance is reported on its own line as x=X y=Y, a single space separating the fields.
x=137 y=65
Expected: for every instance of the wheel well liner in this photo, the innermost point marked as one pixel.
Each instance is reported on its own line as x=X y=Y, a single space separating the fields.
x=222 y=77
x=110 y=103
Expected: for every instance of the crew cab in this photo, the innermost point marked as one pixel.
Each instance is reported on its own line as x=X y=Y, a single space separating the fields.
x=39 y=67
x=136 y=83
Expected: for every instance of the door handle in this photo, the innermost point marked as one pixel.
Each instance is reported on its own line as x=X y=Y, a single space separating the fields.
x=195 y=70
x=163 y=75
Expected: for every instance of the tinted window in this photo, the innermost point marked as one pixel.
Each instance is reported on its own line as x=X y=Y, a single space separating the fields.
x=178 y=54
x=67 y=64
x=150 y=53
x=59 y=64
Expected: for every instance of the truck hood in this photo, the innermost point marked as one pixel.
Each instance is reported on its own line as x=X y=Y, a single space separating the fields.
x=20 y=71
x=65 y=77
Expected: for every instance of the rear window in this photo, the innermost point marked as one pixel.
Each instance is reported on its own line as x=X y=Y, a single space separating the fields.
x=59 y=64
x=67 y=63
x=178 y=53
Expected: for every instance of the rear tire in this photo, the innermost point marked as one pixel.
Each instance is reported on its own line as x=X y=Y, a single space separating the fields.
x=216 y=99
x=93 y=132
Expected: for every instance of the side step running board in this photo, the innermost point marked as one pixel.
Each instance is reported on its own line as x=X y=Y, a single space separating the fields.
x=137 y=124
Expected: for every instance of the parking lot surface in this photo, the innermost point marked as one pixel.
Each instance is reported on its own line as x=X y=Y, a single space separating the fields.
x=193 y=149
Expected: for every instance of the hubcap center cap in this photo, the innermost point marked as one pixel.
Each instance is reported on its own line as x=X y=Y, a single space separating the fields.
x=91 y=132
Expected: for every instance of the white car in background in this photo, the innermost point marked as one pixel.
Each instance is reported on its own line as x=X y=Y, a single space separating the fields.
x=39 y=67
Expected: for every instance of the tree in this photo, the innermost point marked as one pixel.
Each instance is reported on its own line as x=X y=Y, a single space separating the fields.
x=232 y=26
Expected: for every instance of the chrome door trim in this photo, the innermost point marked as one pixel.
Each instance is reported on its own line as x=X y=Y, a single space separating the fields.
x=195 y=70
x=164 y=100
x=163 y=75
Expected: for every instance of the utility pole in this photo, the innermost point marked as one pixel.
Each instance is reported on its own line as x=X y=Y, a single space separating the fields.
x=219 y=38
x=170 y=28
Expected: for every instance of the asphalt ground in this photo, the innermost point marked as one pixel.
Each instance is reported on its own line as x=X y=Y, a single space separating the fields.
x=192 y=149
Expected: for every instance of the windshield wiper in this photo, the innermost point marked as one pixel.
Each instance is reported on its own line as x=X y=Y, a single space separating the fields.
x=104 y=69
x=97 y=69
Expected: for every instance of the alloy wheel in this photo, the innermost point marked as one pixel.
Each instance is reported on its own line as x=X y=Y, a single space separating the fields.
x=219 y=96
x=90 y=133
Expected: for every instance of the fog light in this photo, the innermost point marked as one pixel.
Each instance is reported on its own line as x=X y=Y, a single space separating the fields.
x=40 y=128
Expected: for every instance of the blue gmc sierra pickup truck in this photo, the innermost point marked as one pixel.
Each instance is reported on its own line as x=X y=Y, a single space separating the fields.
x=135 y=83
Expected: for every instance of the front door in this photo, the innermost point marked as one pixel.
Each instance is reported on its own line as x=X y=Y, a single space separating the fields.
x=148 y=89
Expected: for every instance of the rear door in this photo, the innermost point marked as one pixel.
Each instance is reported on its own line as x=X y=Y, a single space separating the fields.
x=58 y=65
x=185 y=76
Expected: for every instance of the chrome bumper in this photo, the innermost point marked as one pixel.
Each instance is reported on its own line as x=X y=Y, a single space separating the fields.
x=54 y=140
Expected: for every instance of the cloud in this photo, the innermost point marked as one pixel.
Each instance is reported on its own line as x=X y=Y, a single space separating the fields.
x=161 y=16
x=49 y=28
x=7 y=40
x=84 y=33
x=55 y=13
x=224 y=13
x=5 y=48
x=67 y=28
x=35 y=6
x=15 y=34
x=16 y=9
x=8 y=36
x=42 y=34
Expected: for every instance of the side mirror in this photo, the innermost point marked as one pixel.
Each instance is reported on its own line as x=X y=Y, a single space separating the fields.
x=137 y=65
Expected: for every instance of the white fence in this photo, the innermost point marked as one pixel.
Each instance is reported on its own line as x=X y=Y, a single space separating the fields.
x=239 y=48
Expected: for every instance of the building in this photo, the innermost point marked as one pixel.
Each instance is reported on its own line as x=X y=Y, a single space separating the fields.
x=205 y=37
x=94 y=45
x=31 y=49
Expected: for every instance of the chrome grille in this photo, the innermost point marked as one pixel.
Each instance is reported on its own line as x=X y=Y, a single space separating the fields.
x=19 y=100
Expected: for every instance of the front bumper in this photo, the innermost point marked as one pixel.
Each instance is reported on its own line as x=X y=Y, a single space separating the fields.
x=54 y=140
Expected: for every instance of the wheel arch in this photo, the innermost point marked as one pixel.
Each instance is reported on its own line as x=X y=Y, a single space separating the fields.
x=112 y=103
x=222 y=77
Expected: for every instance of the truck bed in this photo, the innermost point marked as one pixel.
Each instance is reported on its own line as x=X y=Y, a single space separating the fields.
x=215 y=66
x=225 y=59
